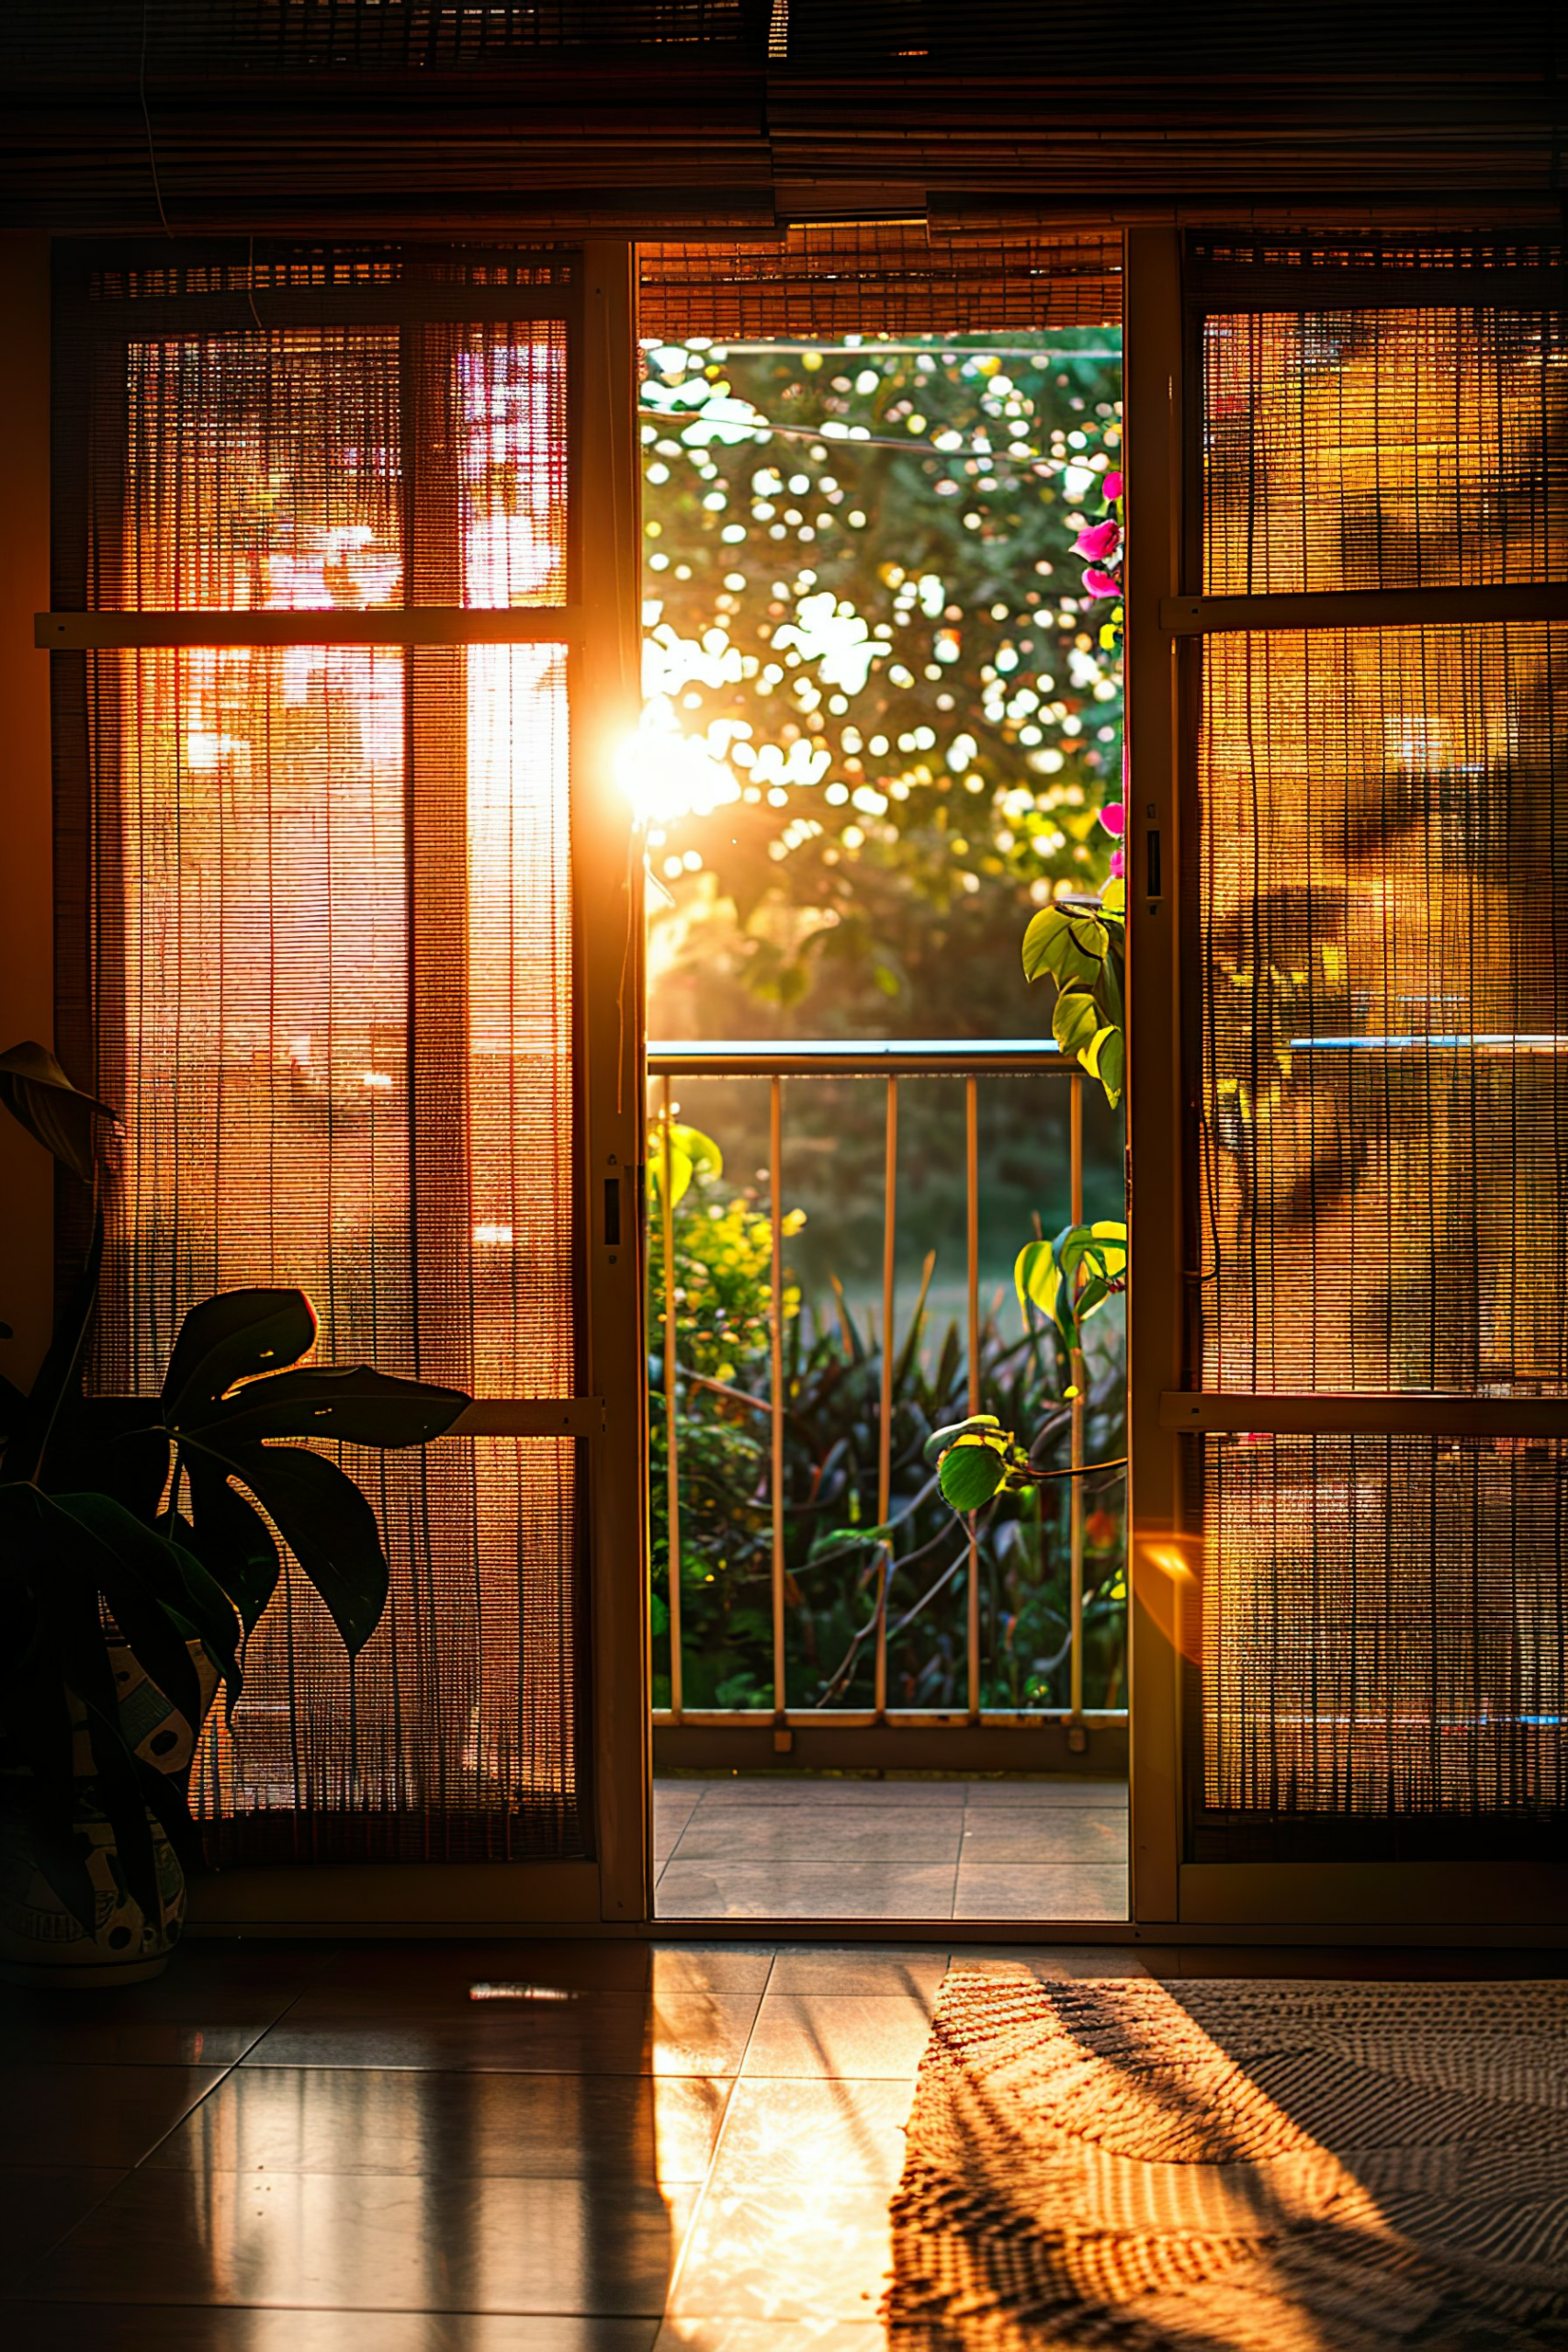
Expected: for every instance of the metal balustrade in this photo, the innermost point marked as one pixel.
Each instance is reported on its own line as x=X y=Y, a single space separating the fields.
x=878 y=1737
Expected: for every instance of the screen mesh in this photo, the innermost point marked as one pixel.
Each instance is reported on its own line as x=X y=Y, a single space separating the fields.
x=326 y=976
x=1388 y=1636
x=1422 y=449
x=1384 y=907
x=1380 y=895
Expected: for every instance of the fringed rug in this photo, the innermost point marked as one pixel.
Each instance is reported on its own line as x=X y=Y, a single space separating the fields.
x=1237 y=2167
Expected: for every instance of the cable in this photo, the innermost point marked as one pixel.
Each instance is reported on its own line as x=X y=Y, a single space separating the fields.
x=147 y=119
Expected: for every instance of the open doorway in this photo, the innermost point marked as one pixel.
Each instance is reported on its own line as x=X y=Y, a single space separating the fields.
x=882 y=732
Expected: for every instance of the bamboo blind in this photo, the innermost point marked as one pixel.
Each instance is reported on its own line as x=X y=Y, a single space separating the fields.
x=1381 y=895
x=888 y=277
x=320 y=955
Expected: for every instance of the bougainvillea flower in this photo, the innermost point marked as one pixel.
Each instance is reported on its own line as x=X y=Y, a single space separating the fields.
x=1100 y=583
x=1112 y=488
x=1118 y=864
x=1113 y=817
x=1098 y=541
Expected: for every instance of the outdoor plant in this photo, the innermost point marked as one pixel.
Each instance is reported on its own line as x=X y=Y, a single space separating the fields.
x=839 y=1561
x=147 y=1519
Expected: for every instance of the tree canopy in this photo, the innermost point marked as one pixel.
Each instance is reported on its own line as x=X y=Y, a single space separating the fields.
x=884 y=714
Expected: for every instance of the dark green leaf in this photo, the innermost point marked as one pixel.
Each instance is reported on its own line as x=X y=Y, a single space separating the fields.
x=231 y=1540
x=329 y=1527
x=39 y=1096
x=58 y=1372
x=140 y=1575
x=233 y=1337
x=351 y=1405
x=971 y=1472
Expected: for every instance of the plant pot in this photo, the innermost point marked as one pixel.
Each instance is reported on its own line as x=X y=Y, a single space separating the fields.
x=42 y=1943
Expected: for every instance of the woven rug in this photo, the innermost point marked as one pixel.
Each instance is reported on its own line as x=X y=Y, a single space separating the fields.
x=1236 y=2167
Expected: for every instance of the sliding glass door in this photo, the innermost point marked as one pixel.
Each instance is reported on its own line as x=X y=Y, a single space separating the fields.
x=339 y=560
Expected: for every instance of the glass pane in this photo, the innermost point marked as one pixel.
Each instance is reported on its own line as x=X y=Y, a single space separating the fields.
x=1384 y=900
x=1384 y=450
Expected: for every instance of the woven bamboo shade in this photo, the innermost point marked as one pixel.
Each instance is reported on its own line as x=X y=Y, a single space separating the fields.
x=1381 y=893
x=318 y=951
x=887 y=278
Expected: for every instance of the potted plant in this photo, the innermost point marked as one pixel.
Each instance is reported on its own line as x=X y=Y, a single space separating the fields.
x=136 y=1552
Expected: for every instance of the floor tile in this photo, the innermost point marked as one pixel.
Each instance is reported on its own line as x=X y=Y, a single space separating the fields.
x=39 y=2204
x=770 y=2335
x=829 y=1833
x=1066 y=1790
x=802 y=1791
x=363 y=2242
x=816 y=2252
x=454 y=2126
x=806 y=1890
x=859 y=1968
x=405 y=1978
x=588 y=2034
x=187 y=2327
x=1043 y=1834
x=868 y=2036
x=1052 y=1961
x=1041 y=1891
x=96 y=2115
x=94 y=2040
x=779 y=2132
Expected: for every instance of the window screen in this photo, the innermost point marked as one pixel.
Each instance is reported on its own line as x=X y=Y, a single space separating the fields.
x=1380 y=897
x=318 y=950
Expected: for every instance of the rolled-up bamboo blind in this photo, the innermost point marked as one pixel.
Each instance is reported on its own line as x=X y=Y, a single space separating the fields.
x=318 y=954
x=1381 y=895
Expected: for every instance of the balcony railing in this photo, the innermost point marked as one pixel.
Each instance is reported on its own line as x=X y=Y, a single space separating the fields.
x=969 y=1737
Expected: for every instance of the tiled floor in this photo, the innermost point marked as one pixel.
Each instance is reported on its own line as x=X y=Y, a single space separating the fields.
x=787 y=1848
x=337 y=2149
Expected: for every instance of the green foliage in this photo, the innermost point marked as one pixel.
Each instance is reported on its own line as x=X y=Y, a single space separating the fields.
x=151 y=1513
x=1071 y=1278
x=1082 y=945
x=881 y=719
x=837 y=1551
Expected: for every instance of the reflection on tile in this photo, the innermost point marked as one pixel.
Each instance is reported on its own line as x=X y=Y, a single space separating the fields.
x=96 y=2115
x=360 y=2242
x=806 y=1890
x=781 y=2131
x=859 y=1968
x=595 y=2034
x=363 y=2119
x=811 y=2252
x=1044 y=1834
x=97 y=2041
x=839 y=1833
x=188 y=2327
x=1042 y=1891
x=403 y=1979
x=39 y=2205
x=870 y=2037
x=1066 y=1790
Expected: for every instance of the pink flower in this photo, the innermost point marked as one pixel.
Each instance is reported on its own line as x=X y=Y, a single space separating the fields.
x=1112 y=488
x=1118 y=864
x=1098 y=541
x=1113 y=817
x=1100 y=583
